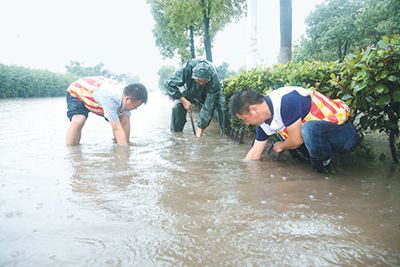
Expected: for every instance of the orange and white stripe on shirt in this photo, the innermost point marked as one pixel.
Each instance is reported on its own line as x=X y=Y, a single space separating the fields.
x=83 y=90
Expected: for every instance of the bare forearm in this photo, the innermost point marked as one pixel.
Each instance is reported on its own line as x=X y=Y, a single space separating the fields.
x=251 y=155
x=120 y=136
x=126 y=126
x=127 y=131
x=287 y=144
x=294 y=140
x=255 y=153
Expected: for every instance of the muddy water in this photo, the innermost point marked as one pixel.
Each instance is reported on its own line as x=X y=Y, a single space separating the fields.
x=174 y=200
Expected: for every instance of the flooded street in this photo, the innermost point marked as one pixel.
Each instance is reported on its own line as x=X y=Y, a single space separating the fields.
x=174 y=200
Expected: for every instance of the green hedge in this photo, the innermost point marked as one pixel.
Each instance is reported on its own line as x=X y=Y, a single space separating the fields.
x=368 y=81
x=18 y=81
x=314 y=75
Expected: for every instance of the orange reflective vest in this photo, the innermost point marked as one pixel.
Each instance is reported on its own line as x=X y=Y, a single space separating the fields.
x=83 y=90
x=322 y=108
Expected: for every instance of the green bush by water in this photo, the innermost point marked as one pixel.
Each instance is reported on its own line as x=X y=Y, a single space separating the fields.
x=368 y=81
x=18 y=81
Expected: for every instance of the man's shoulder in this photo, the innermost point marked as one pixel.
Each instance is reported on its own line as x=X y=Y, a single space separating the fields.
x=96 y=83
x=108 y=96
x=288 y=91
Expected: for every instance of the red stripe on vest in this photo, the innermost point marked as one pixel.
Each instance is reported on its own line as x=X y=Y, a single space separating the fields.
x=92 y=82
x=333 y=118
x=316 y=111
x=326 y=104
x=78 y=85
x=90 y=98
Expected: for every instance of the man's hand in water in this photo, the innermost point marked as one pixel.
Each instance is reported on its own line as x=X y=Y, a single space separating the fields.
x=199 y=132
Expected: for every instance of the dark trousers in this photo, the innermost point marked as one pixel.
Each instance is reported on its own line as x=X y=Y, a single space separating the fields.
x=178 y=116
x=323 y=138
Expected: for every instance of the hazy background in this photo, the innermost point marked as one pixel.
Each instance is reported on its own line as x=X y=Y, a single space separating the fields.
x=48 y=34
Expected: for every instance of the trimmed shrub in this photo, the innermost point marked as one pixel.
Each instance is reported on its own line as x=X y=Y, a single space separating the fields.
x=18 y=81
x=368 y=81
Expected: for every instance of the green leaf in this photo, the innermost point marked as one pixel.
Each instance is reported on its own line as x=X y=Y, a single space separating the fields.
x=359 y=87
x=396 y=95
x=383 y=101
x=383 y=75
x=364 y=122
x=393 y=78
x=382 y=44
x=381 y=89
x=346 y=97
x=370 y=99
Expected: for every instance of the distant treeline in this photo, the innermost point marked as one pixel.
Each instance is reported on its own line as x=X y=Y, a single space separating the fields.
x=18 y=81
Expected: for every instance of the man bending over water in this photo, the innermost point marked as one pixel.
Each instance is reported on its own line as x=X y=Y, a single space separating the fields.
x=106 y=98
x=197 y=81
x=300 y=117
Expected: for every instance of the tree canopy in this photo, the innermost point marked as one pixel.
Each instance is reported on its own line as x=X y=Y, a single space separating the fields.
x=76 y=68
x=339 y=27
x=182 y=27
x=163 y=74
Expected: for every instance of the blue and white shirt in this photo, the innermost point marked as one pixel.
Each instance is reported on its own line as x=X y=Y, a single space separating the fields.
x=287 y=105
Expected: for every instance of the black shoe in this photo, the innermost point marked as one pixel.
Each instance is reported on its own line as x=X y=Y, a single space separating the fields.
x=322 y=166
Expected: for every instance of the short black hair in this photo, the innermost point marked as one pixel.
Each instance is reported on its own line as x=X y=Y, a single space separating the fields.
x=241 y=101
x=137 y=91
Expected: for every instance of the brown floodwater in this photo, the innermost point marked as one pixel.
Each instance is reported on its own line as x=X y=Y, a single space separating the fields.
x=174 y=200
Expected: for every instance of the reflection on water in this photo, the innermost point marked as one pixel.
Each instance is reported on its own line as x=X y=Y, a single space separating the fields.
x=172 y=199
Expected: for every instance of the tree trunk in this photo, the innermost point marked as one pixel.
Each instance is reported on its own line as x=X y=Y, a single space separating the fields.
x=340 y=54
x=251 y=56
x=393 y=132
x=206 y=22
x=346 y=48
x=192 y=53
x=392 y=144
x=285 y=54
